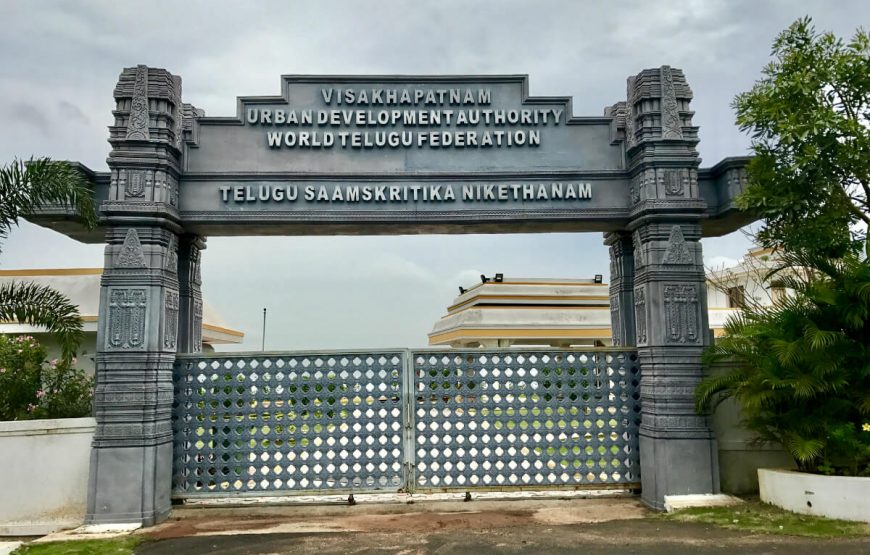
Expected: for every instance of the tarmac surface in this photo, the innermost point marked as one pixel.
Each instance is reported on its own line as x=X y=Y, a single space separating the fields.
x=589 y=527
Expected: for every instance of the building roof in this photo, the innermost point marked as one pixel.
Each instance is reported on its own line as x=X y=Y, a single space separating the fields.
x=82 y=286
x=527 y=310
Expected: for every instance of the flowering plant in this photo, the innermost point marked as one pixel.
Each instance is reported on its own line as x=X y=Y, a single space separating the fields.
x=32 y=387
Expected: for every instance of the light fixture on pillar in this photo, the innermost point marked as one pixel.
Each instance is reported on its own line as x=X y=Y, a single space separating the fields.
x=483 y=278
x=499 y=278
x=599 y=278
x=462 y=290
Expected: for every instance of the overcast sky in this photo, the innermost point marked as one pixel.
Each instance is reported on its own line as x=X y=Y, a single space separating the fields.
x=59 y=62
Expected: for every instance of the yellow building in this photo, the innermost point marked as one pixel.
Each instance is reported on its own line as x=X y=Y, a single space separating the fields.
x=506 y=312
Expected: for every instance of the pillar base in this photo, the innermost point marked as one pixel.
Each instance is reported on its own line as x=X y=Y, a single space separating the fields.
x=130 y=485
x=677 y=466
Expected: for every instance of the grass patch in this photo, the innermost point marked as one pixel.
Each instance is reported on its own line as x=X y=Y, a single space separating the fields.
x=760 y=518
x=110 y=546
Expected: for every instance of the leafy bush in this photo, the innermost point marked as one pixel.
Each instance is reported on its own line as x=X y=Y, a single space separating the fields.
x=31 y=387
x=800 y=369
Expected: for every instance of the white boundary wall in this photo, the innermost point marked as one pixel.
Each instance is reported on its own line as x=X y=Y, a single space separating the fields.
x=843 y=497
x=44 y=467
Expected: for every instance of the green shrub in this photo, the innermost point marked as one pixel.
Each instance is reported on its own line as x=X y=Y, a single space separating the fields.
x=801 y=369
x=32 y=387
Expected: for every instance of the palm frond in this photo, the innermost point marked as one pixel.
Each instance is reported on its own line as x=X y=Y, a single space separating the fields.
x=27 y=187
x=42 y=306
x=802 y=449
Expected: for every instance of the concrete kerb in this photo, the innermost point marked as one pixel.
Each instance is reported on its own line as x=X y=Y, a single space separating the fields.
x=91 y=532
x=408 y=498
x=8 y=547
x=677 y=502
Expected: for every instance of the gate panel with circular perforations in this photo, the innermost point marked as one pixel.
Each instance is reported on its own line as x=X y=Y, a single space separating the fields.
x=385 y=421
x=283 y=423
x=533 y=419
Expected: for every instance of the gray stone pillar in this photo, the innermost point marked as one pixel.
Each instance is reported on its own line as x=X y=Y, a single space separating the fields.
x=621 y=288
x=131 y=462
x=190 y=282
x=677 y=448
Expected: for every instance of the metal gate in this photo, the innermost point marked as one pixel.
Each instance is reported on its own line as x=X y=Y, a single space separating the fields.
x=399 y=420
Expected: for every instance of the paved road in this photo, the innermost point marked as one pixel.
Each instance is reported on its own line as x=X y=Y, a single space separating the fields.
x=585 y=527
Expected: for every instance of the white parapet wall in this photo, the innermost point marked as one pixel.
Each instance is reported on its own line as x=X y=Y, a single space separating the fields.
x=44 y=466
x=842 y=497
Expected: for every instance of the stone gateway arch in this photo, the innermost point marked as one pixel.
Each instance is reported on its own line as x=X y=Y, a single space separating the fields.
x=416 y=154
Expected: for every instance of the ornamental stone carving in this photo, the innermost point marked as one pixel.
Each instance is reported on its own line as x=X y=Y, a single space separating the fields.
x=135 y=186
x=197 y=326
x=672 y=126
x=640 y=315
x=127 y=314
x=170 y=319
x=630 y=139
x=178 y=119
x=634 y=188
x=131 y=255
x=681 y=313
x=678 y=251
x=196 y=260
x=616 y=327
x=674 y=183
x=171 y=263
x=137 y=125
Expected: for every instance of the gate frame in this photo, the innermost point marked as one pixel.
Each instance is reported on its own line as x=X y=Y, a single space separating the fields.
x=408 y=405
x=151 y=301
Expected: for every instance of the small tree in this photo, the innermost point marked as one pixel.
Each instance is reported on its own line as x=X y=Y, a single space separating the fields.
x=26 y=188
x=799 y=368
x=808 y=119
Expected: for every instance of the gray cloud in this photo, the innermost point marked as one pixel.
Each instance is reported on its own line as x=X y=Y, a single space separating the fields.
x=27 y=114
x=71 y=112
x=61 y=60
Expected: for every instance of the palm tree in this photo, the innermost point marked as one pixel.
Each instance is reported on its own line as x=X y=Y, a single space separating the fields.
x=25 y=188
x=799 y=368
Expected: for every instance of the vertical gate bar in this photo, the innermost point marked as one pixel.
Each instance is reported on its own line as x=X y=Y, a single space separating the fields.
x=408 y=415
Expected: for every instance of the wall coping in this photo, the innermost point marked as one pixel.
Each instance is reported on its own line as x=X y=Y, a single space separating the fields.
x=820 y=477
x=50 y=426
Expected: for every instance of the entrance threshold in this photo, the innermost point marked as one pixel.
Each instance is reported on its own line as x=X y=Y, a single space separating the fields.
x=406 y=498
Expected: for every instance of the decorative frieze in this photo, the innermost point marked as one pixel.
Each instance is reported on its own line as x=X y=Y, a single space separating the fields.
x=127 y=316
